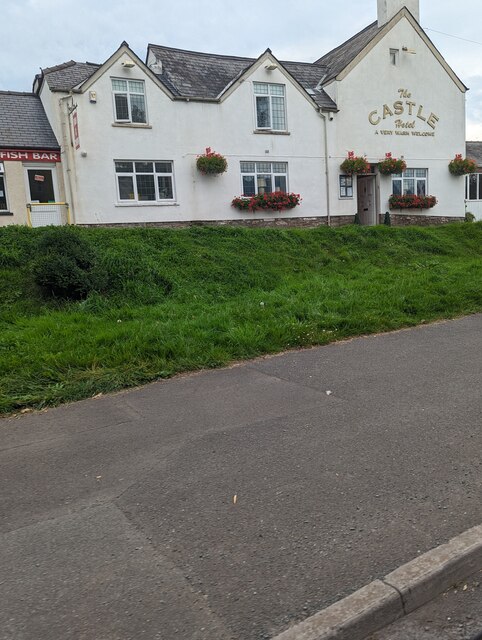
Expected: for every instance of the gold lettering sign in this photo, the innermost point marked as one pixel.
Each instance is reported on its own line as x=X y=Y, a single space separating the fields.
x=404 y=106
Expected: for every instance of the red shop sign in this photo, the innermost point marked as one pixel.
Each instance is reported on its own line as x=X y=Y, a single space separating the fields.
x=29 y=156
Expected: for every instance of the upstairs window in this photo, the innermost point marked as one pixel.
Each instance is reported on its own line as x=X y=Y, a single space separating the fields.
x=145 y=181
x=129 y=101
x=394 y=57
x=264 y=177
x=411 y=183
x=270 y=106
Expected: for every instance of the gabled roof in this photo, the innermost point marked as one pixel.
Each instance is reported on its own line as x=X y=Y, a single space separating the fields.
x=23 y=122
x=474 y=152
x=338 y=59
x=193 y=74
x=68 y=75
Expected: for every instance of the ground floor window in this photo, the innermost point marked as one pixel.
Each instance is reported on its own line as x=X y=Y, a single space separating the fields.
x=473 y=187
x=264 y=177
x=413 y=182
x=346 y=186
x=145 y=181
x=3 y=189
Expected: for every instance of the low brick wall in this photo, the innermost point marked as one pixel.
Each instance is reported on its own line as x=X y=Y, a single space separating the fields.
x=421 y=220
x=398 y=220
x=336 y=221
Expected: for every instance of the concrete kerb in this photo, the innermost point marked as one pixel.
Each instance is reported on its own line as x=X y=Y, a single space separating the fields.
x=382 y=602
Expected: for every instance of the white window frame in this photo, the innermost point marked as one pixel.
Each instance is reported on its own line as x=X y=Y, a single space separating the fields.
x=394 y=57
x=5 y=194
x=403 y=177
x=270 y=97
x=257 y=173
x=341 y=186
x=133 y=174
x=128 y=93
x=479 y=187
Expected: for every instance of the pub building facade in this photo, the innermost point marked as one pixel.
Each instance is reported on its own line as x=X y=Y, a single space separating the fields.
x=31 y=180
x=131 y=131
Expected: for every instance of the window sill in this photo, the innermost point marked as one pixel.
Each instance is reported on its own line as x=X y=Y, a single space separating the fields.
x=267 y=132
x=146 y=204
x=6 y=213
x=346 y=197
x=131 y=125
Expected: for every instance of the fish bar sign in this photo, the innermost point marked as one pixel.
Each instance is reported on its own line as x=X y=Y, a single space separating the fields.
x=29 y=156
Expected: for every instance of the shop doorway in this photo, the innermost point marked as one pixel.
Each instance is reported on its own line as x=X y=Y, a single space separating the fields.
x=367 y=201
x=41 y=185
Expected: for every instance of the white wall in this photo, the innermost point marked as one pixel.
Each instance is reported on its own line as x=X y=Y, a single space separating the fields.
x=375 y=82
x=179 y=131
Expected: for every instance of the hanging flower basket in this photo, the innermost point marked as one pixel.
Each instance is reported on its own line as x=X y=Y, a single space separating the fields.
x=275 y=201
x=462 y=166
x=211 y=163
x=355 y=165
x=391 y=165
x=412 y=202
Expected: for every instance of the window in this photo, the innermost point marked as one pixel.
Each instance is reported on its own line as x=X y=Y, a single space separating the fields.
x=346 y=186
x=129 y=101
x=264 y=177
x=270 y=106
x=473 y=187
x=394 y=57
x=145 y=181
x=3 y=192
x=410 y=183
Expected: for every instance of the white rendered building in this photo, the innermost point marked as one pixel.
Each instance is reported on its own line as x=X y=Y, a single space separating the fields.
x=130 y=132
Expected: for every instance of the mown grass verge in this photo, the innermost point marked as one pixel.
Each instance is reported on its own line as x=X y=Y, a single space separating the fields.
x=179 y=300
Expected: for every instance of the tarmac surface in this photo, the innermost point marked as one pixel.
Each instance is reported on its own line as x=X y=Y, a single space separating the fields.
x=229 y=504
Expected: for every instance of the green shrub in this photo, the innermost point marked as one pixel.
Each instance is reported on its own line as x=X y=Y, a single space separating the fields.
x=387 y=220
x=469 y=216
x=65 y=264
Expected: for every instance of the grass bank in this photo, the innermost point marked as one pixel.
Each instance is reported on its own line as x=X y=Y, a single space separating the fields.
x=178 y=300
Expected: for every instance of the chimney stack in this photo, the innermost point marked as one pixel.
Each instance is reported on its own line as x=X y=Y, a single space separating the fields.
x=388 y=8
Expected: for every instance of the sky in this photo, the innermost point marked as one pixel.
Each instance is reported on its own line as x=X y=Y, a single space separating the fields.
x=43 y=33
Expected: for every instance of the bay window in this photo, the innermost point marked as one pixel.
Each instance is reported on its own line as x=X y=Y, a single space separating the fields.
x=413 y=182
x=264 y=177
x=144 y=181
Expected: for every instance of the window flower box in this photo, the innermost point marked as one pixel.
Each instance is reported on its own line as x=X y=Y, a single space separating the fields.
x=412 y=202
x=355 y=165
x=277 y=201
x=211 y=163
x=462 y=166
x=391 y=165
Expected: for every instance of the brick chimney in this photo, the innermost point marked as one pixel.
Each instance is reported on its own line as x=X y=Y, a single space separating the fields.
x=388 y=8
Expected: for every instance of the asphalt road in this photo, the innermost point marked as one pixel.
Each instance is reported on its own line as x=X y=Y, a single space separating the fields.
x=118 y=518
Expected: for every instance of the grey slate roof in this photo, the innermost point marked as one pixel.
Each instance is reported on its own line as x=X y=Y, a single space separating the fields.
x=474 y=152
x=23 y=122
x=337 y=59
x=68 y=75
x=192 y=74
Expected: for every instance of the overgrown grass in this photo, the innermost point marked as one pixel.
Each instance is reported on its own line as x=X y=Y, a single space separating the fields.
x=178 y=300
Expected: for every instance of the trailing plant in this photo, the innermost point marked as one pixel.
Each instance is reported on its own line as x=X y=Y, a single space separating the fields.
x=355 y=165
x=211 y=163
x=412 y=202
x=462 y=166
x=391 y=165
x=276 y=201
